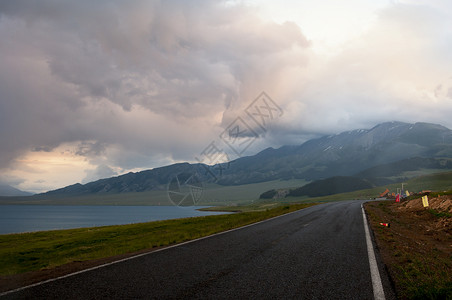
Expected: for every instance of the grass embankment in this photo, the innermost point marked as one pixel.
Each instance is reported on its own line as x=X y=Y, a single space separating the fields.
x=416 y=248
x=20 y=253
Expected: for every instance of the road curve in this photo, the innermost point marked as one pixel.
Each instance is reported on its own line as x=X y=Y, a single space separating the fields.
x=315 y=253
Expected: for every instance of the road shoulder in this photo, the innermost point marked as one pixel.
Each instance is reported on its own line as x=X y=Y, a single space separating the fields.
x=416 y=247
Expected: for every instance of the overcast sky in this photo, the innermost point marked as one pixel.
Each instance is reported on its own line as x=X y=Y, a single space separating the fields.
x=93 y=89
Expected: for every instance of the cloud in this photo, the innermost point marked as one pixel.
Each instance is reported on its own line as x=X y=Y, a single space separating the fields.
x=132 y=84
x=390 y=72
x=127 y=86
x=101 y=171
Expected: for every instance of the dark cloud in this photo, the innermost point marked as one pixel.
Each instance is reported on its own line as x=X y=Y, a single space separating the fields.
x=130 y=85
x=71 y=63
x=90 y=149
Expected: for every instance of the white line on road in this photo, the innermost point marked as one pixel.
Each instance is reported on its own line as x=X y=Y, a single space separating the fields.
x=377 y=286
x=139 y=255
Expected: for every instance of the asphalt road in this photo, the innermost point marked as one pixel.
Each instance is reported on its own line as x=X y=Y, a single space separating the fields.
x=316 y=253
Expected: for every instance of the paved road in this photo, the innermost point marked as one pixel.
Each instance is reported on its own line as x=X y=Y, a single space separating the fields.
x=316 y=253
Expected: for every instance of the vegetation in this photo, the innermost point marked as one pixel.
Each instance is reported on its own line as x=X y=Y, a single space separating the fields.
x=439 y=214
x=25 y=252
x=402 y=167
x=213 y=194
x=331 y=186
x=437 y=181
x=268 y=194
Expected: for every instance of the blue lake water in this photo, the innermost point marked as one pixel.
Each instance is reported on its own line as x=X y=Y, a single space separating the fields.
x=26 y=218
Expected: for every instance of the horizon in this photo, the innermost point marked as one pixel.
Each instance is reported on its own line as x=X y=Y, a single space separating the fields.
x=91 y=91
x=250 y=154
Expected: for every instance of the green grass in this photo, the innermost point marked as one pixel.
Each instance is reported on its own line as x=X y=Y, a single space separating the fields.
x=417 y=173
x=218 y=195
x=422 y=277
x=438 y=181
x=258 y=206
x=213 y=194
x=244 y=194
x=25 y=252
x=439 y=214
x=435 y=182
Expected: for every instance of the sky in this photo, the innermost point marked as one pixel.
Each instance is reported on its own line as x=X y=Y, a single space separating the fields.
x=94 y=89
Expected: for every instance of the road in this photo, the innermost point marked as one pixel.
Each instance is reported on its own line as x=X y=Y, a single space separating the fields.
x=316 y=253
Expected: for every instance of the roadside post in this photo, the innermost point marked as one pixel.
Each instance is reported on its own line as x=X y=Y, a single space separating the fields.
x=425 y=201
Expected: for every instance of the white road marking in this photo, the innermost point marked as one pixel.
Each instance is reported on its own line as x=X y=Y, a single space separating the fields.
x=138 y=255
x=377 y=286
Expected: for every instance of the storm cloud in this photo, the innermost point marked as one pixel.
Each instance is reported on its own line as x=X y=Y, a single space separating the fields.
x=123 y=86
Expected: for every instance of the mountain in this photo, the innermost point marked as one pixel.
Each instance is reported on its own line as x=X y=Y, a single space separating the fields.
x=155 y=179
x=7 y=190
x=399 y=169
x=386 y=150
x=343 y=154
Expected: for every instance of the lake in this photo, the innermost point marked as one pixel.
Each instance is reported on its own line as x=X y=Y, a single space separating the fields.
x=26 y=218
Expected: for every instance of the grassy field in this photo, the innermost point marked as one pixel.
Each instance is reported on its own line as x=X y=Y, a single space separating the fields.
x=435 y=182
x=26 y=252
x=257 y=206
x=213 y=194
x=218 y=195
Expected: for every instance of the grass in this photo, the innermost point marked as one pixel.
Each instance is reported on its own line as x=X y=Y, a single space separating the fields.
x=213 y=194
x=435 y=182
x=438 y=181
x=257 y=206
x=439 y=214
x=20 y=253
x=218 y=195
x=423 y=278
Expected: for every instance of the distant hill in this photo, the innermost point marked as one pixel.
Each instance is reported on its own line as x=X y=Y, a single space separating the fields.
x=380 y=155
x=7 y=190
x=155 y=179
x=331 y=186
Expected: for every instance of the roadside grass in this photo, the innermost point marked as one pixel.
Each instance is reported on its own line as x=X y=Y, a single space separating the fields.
x=20 y=253
x=424 y=277
x=419 y=269
x=439 y=214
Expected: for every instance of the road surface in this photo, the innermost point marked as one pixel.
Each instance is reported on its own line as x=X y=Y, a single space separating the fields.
x=316 y=253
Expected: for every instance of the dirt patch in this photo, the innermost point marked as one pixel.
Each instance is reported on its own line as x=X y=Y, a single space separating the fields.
x=442 y=203
x=417 y=246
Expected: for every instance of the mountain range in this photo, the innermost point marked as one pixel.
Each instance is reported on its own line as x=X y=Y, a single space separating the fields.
x=7 y=190
x=382 y=154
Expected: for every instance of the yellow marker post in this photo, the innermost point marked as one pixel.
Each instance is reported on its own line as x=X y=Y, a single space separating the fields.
x=425 y=201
